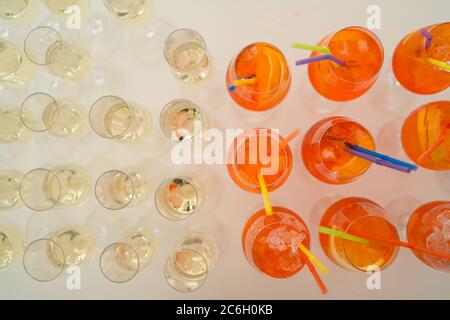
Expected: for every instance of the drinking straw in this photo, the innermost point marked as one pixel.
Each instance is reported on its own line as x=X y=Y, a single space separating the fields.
x=265 y=195
x=434 y=146
x=441 y=64
x=313 y=259
x=428 y=38
x=242 y=82
x=377 y=161
x=311 y=48
x=320 y=58
x=314 y=273
x=381 y=156
x=342 y=235
x=290 y=137
x=401 y=244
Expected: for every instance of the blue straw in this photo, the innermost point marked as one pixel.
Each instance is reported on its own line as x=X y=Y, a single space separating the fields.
x=377 y=161
x=320 y=58
x=381 y=156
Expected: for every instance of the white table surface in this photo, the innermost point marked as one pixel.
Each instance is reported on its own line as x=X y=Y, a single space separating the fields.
x=227 y=27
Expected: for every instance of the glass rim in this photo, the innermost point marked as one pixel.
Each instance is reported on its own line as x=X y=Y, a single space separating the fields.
x=165 y=109
x=21 y=111
x=327 y=171
x=391 y=226
x=112 y=246
x=233 y=153
x=232 y=71
x=160 y=189
x=115 y=171
x=330 y=64
x=54 y=243
x=30 y=55
x=204 y=49
x=92 y=120
x=54 y=175
x=171 y=259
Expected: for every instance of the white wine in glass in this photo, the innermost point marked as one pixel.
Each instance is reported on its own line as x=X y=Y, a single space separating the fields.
x=19 y=12
x=187 y=268
x=15 y=68
x=130 y=13
x=12 y=129
x=9 y=188
x=45 y=46
x=77 y=242
x=64 y=8
x=185 y=51
x=12 y=246
x=114 y=118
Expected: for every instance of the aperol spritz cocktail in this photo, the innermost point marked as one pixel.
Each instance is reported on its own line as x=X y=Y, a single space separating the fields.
x=267 y=65
x=411 y=61
x=271 y=243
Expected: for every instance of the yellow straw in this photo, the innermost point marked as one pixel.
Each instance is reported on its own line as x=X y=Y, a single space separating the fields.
x=441 y=64
x=311 y=48
x=265 y=195
x=243 y=82
x=313 y=259
x=342 y=234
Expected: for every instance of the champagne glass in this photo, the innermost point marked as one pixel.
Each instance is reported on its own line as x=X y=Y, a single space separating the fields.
x=178 y=197
x=60 y=186
x=186 y=53
x=16 y=69
x=19 y=12
x=9 y=188
x=122 y=261
x=12 y=246
x=116 y=189
x=12 y=129
x=187 y=268
x=41 y=112
x=115 y=118
x=45 y=46
x=182 y=120
x=130 y=13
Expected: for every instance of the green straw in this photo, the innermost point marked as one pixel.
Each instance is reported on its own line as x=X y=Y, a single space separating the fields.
x=343 y=235
x=441 y=64
x=311 y=48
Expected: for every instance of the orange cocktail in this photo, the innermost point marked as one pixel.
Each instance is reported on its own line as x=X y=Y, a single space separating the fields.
x=267 y=64
x=426 y=135
x=429 y=227
x=363 y=55
x=259 y=151
x=271 y=243
x=324 y=153
x=411 y=62
x=358 y=215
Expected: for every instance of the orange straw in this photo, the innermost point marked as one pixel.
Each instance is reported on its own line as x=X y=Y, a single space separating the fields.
x=434 y=146
x=401 y=244
x=314 y=273
x=290 y=137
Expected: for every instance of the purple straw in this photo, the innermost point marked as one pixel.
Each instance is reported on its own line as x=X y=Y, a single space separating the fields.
x=320 y=58
x=428 y=38
x=377 y=161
